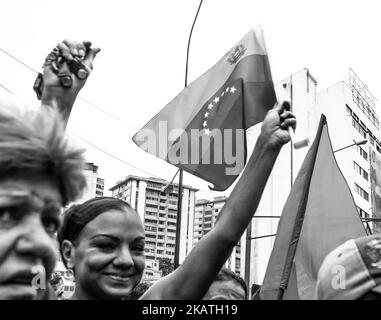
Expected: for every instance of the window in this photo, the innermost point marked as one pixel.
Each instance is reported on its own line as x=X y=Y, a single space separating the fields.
x=359 y=128
x=149 y=228
x=362 y=152
x=154 y=185
x=360 y=191
x=360 y=171
x=362 y=213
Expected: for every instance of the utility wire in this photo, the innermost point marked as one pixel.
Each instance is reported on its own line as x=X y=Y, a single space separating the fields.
x=91 y=144
x=79 y=98
x=112 y=156
x=99 y=148
x=6 y=89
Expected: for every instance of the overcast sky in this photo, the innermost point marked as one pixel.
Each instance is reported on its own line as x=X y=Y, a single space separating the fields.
x=142 y=62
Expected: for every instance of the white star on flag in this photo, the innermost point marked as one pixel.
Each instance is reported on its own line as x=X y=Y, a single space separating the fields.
x=222 y=94
x=205 y=124
x=207 y=132
x=210 y=106
x=227 y=89
x=206 y=114
x=233 y=89
x=216 y=99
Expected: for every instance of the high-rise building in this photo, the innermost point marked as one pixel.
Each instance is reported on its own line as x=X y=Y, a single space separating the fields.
x=205 y=219
x=94 y=184
x=100 y=187
x=351 y=107
x=155 y=200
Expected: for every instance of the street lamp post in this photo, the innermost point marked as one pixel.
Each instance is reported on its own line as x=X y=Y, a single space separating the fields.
x=359 y=143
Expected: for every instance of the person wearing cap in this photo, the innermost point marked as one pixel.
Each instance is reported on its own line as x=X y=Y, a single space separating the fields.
x=352 y=271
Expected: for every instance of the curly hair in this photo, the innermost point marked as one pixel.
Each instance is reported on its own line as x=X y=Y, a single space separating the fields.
x=33 y=142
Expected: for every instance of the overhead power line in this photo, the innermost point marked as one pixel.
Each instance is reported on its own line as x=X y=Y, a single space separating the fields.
x=79 y=98
x=100 y=149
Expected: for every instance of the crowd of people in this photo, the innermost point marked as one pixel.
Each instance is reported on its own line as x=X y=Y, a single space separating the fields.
x=102 y=240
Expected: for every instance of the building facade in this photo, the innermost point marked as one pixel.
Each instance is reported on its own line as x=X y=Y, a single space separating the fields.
x=205 y=218
x=351 y=107
x=155 y=200
x=94 y=184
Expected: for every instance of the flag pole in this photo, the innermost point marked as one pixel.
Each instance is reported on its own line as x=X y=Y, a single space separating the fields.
x=291 y=145
x=180 y=194
x=281 y=290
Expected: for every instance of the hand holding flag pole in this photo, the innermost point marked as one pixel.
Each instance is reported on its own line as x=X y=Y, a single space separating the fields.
x=297 y=144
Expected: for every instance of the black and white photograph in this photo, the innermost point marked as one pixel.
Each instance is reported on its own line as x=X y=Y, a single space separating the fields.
x=190 y=150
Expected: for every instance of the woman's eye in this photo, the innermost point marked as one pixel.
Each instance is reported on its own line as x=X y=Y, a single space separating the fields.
x=5 y=215
x=8 y=215
x=106 y=246
x=50 y=224
x=139 y=247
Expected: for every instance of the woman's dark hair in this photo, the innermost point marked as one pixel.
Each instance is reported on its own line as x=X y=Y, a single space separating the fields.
x=79 y=215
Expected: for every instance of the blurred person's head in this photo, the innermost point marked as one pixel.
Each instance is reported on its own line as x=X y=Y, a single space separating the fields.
x=102 y=241
x=39 y=174
x=352 y=271
x=227 y=286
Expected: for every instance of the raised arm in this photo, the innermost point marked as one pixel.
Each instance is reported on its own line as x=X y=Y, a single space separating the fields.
x=193 y=278
x=66 y=70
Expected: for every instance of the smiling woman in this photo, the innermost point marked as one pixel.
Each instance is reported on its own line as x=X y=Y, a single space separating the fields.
x=102 y=241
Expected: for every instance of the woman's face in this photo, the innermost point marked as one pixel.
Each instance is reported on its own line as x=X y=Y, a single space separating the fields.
x=109 y=257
